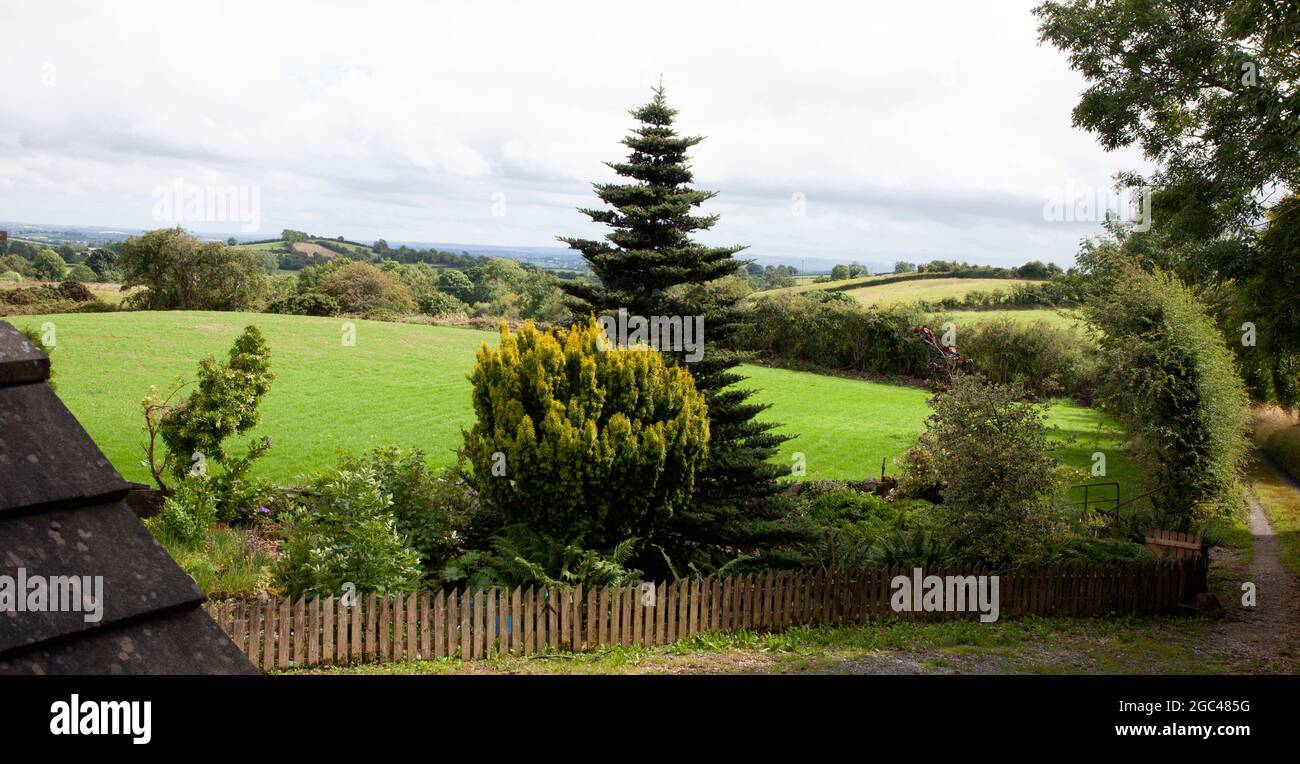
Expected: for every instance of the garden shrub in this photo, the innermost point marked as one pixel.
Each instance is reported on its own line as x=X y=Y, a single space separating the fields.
x=854 y=530
x=362 y=288
x=1042 y=359
x=345 y=532
x=226 y=403
x=187 y=513
x=835 y=334
x=1172 y=382
x=991 y=455
x=590 y=446
x=432 y=507
x=1109 y=550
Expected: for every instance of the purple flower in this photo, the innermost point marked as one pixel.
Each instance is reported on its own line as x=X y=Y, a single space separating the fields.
x=264 y=510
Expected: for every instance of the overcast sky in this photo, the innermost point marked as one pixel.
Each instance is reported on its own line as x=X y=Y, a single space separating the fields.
x=874 y=131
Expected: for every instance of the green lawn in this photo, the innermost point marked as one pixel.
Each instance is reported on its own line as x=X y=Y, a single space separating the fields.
x=405 y=384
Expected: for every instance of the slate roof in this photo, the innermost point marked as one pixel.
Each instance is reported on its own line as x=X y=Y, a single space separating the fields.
x=63 y=513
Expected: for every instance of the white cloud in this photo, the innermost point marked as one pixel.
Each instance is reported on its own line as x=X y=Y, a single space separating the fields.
x=911 y=132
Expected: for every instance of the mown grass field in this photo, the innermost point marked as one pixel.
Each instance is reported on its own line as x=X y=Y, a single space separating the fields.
x=405 y=384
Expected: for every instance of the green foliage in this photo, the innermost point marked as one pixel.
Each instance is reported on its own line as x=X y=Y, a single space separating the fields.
x=432 y=508
x=1109 y=550
x=856 y=530
x=1042 y=359
x=991 y=455
x=813 y=328
x=506 y=289
x=343 y=533
x=648 y=253
x=456 y=284
x=48 y=266
x=907 y=546
x=186 y=514
x=362 y=288
x=589 y=446
x=1170 y=379
x=81 y=272
x=1283 y=446
x=33 y=334
x=180 y=272
x=437 y=303
x=524 y=557
x=306 y=304
x=1208 y=91
x=226 y=403
x=226 y=562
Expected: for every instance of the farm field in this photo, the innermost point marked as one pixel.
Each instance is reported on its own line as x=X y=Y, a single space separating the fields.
x=405 y=384
x=1063 y=317
x=930 y=290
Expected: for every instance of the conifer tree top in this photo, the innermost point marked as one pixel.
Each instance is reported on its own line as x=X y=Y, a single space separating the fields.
x=649 y=248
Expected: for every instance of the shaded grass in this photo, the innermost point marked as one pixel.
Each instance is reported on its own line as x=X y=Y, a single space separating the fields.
x=1278 y=434
x=1032 y=644
x=1280 y=499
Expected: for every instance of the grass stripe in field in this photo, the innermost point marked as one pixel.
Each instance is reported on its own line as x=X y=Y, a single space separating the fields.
x=405 y=384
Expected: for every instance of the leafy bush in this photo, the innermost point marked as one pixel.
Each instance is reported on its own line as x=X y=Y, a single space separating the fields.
x=440 y=304
x=1109 y=550
x=305 y=304
x=186 y=514
x=225 y=403
x=1039 y=358
x=857 y=530
x=82 y=272
x=590 y=446
x=433 y=508
x=1171 y=380
x=990 y=454
x=828 y=332
x=75 y=291
x=345 y=532
x=362 y=288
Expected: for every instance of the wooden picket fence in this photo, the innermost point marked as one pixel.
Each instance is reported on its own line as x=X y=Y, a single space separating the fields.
x=1174 y=544
x=280 y=633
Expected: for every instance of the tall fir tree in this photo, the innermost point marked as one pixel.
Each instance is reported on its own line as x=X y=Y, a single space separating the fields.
x=649 y=265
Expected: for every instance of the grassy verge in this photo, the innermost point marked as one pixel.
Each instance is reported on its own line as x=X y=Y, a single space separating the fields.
x=1281 y=502
x=1278 y=434
x=1023 y=645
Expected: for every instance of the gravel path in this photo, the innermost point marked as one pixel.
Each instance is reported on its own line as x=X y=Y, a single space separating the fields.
x=1267 y=632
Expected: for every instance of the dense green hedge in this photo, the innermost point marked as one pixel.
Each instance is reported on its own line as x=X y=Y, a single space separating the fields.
x=1042 y=359
x=833 y=333
x=1171 y=379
